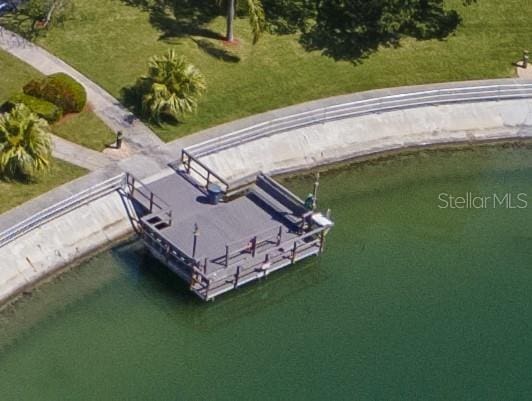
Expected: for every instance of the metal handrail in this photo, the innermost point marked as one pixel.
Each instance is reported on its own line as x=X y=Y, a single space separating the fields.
x=243 y=243
x=187 y=159
x=362 y=107
x=59 y=208
x=135 y=187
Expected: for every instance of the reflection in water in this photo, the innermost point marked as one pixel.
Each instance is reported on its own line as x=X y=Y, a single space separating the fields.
x=409 y=301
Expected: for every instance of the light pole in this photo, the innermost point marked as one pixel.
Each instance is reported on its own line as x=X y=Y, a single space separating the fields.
x=315 y=192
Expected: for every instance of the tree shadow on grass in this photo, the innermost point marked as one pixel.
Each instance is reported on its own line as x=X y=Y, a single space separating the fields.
x=340 y=36
x=180 y=18
x=216 y=52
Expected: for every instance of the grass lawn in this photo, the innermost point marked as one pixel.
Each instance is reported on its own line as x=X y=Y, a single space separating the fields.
x=110 y=42
x=13 y=75
x=84 y=128
x=14 y=193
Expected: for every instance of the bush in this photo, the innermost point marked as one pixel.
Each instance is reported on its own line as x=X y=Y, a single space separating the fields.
x=59 y=89
x=49 y=111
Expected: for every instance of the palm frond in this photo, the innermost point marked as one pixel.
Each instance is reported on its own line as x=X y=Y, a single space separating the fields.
x=25 y=143
x=257 y=19
x=172 y=87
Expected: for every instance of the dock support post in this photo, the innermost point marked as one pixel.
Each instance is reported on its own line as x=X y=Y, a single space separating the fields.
x=322 y=241
x=294 y=250
x=192 y=280
x=205 y=266
x=279 y=235
x=151 y=202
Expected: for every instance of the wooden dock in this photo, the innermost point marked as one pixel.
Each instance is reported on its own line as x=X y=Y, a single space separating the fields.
x=258 y=227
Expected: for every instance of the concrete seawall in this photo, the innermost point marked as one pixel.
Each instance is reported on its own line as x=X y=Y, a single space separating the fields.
x=71 y=236
x=61 y=241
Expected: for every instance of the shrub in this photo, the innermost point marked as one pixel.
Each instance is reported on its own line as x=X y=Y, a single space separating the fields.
x=59 y=89
x=49 y=111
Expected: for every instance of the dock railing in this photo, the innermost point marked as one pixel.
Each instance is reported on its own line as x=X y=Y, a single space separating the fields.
x=287 y=252
x=250 y=245
x=159 y=242
x=79 y=199
x=201 y=171
x=142 y=194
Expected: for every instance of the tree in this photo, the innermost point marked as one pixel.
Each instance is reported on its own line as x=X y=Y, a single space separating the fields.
x=256 y=19
x=172 y=87
x=25 y=143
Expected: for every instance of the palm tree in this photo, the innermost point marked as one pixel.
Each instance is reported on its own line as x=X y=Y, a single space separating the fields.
x=25 y=143
x=172 y=87
x=256 y=19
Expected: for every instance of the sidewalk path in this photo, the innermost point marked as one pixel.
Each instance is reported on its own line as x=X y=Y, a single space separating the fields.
x=524 y=73
x=138 y=136
x=79 y=155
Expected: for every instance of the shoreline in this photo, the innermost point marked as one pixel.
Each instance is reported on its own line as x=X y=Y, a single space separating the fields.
x=245 y=147
x=358 y=161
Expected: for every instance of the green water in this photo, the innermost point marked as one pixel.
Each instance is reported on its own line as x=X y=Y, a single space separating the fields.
x=409 y=302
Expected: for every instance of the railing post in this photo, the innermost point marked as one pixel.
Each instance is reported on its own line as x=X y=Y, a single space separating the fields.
x=208 y=178
x=188 y=162
x=226 y=256
x=322 y=241
x=205 y=266
x=237 y=275
x=132 y=186
x=151 y=202
x=294 y=250
x=279 y=235
x=253 y=246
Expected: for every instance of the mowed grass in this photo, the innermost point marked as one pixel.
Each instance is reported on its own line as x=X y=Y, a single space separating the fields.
x=111 y=42
x=15 y=193
x=13 y=75
x=84 y=128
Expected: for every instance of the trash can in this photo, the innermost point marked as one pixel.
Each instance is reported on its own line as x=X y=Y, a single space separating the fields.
x=214 y=193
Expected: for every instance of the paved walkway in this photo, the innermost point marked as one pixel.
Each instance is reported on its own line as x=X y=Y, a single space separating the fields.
x=524 y=73
x=80 y=155
x=137 y=135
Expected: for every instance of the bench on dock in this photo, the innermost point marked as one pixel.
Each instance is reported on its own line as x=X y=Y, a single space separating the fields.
x=282 y=201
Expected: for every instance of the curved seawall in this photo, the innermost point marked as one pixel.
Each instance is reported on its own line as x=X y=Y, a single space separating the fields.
x=342 y=128
x=286 y=140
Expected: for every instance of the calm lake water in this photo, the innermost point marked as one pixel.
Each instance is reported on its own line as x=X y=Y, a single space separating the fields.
x=411 y=301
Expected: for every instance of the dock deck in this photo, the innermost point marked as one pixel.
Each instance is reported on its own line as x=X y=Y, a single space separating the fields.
x=218 y=247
